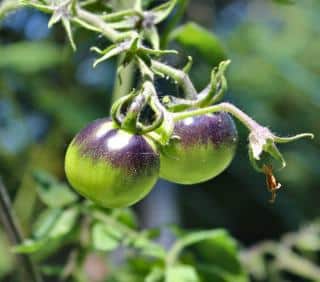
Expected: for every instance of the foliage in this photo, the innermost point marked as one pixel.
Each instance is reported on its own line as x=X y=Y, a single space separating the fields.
x=86 y=228
x=63 y=223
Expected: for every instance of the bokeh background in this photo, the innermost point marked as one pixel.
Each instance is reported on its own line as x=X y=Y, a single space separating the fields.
x=48 y=92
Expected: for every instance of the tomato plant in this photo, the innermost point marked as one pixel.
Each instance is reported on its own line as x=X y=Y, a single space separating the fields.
x=116 y=160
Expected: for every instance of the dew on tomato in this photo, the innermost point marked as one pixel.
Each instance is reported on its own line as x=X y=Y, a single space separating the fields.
x=205 y=148
x=110 y=166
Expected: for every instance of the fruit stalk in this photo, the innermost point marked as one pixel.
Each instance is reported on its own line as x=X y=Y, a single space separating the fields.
x=222 y=107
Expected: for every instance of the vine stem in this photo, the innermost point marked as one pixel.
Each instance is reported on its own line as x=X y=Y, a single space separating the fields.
x=180 y=76
x=28 y=270
x=124 y=81
x=222 y=107
x=96 y=21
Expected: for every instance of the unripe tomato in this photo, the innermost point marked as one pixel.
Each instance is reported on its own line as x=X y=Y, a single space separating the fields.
x=110 y=166
x=205 y=147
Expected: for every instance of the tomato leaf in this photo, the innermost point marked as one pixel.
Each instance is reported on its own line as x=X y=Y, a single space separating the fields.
x=53 y=193
x=203 y=41
x=105 y=238
x=181 y=273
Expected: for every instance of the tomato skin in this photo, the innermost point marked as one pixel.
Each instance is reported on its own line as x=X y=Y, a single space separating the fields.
x=205 y=148
x=110 y=166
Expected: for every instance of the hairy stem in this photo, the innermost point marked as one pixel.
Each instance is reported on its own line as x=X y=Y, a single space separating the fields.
x=124 y=81
x=181 y=77
x=222 y=107
x=98 y=22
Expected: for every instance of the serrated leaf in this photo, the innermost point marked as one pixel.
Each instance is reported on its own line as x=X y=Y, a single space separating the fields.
x=104 y=238
x=181 y=273
x=203 y=41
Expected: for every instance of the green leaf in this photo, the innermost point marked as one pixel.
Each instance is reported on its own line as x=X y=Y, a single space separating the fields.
x=155 y=275
x=52 y=233
x=45 y=222
x=30 y=57
x=181 y=273
x=30 y=246
x=64 y=223
x=53 y=193
x=161 y=12
x=105 y=238
x=125 y=216
x=194 y=36
x=218 y=259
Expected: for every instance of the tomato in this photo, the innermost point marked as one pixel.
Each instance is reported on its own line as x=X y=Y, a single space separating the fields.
x=110 y=166
x=205 y=147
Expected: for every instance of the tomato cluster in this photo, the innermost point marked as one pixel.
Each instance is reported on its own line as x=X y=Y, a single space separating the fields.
x=116 y=168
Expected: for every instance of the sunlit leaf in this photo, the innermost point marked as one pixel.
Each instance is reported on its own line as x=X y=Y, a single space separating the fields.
x=105 y=238
x=181 y=273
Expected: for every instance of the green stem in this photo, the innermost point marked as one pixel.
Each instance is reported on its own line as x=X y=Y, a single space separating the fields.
x=98 y=22
x=177 y=248
x=27 y=268
x=124 y=80
x=8 y=6
x=120 y=15
x=178 y=75
x=222 y=107
x=131 y=119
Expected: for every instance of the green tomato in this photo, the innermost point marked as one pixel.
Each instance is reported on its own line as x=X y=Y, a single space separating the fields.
x=204 y=148
x=110 y=166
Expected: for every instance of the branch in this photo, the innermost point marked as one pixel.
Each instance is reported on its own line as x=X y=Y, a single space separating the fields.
x=27 y=267
x=8 y=6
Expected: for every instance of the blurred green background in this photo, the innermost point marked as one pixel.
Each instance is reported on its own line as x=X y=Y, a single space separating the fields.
x=48 y=92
